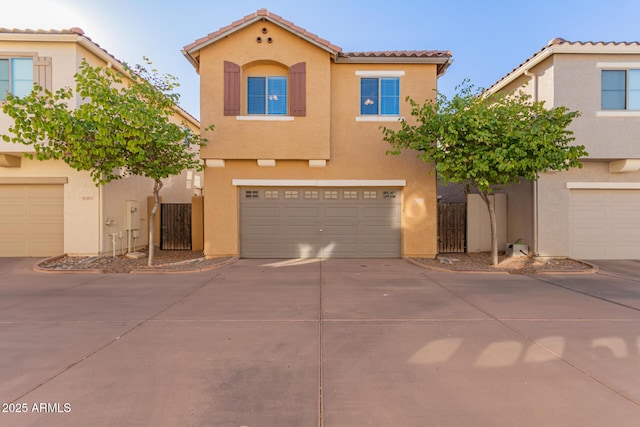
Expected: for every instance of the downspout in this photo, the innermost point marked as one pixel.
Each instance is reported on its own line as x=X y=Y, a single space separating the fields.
x=534 y=80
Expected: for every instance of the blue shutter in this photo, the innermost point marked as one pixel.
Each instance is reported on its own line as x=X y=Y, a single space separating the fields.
x=277 y=95
x=613 y=90
x=256 y=89
x=390 y=96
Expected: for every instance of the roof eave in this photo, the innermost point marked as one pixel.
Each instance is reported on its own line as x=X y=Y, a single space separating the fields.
x=192 y=59
x=190 y=50
x=119 y=66
x=564 y=48
x=392 y=60
x=521 y=70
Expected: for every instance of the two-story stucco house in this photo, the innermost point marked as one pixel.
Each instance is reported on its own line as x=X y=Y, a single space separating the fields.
x=296 y=166
x=593 y=212
x=47 y=208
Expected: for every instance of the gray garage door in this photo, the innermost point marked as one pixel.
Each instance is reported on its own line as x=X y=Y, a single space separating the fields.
x=319 y=222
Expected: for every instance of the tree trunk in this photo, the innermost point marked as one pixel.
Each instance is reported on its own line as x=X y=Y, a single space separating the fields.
x=490 y=201
x=152 y=219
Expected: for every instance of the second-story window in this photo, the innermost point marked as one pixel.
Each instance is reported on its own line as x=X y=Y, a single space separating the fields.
x=16 y=76
x=380 y=96
x=267 y=95
x=620 y=90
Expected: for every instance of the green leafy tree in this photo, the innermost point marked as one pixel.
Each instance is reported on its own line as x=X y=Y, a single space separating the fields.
x=488 y=140
x=122 y=126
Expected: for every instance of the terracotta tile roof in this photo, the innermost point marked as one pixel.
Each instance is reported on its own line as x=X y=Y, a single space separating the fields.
x=190 y=51
x=253 y=17
x=398 y=54
x=548 y=49
x=559 y=41
x=74 y=30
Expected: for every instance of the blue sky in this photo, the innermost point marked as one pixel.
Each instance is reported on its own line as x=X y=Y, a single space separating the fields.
x=487 y=38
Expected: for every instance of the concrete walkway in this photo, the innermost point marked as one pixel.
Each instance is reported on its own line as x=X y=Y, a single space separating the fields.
x=318 y=343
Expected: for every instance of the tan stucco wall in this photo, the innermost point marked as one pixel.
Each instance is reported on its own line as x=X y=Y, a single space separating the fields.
x=303 y=137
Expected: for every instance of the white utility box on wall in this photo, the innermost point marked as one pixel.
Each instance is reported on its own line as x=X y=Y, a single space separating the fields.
x=133 y=215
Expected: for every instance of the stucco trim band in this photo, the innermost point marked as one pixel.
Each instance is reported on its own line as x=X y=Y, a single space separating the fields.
x=319 y=182
x=379 y=119
x=603 y=185
x=43 y=180
x=618 y=113
x=374 y=73
x=267 y=118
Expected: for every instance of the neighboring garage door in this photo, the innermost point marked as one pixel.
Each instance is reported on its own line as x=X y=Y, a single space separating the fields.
x=605 y=224
x=319 y=222
x=31 y=220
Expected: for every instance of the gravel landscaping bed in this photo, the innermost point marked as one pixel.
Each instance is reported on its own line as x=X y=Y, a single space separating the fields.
x=163 y=260
x=177 y=261
x=481 y=261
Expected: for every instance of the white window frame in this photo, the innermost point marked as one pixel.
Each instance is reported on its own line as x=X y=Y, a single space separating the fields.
x=10 y=57
x=616 y=66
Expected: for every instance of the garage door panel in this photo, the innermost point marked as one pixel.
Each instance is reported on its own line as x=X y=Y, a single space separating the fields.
x=15 y=210
x=380 y=211
x=625 y=215
x=262 y=230
x=45 y=230
x=261 y=212
x=12 y=230
x=354 y=223
x=340 y=212
x=10 y=248
x=299 y=211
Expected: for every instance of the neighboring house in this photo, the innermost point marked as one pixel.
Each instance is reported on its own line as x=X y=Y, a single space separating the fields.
x=297 y=166
x=47 y=208
x=593 y=212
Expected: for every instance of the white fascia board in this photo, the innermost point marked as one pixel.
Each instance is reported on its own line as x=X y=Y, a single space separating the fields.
x=319 y=182
x=381 y=73
x=603 y=185
x=618 y=65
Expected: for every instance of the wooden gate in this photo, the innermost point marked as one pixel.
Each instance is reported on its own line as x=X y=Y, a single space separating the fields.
x=452 y=220
x=175 y=226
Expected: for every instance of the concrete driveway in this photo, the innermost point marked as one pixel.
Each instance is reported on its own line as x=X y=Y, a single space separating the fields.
x=318 y=343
